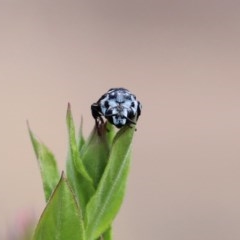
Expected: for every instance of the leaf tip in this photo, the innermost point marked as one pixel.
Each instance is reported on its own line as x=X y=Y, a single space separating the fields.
x=68 y=108
x=28 y=126
x=63 y=175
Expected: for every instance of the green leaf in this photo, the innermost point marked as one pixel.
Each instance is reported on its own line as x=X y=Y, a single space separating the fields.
x=95 y=152
x=61 y=220
x=77 y=175
x=47 y=164
x=81 y=139
x=105 y=203
x=110 y=133
x=74 y=147
x=107 y=235
x=82 y=188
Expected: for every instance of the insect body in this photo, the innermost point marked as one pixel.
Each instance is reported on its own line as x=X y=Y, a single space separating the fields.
x=118 y=106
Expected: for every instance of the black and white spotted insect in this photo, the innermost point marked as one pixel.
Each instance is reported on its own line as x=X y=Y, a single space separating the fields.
x=119 y=106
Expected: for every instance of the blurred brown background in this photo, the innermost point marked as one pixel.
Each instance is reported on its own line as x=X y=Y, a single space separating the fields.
x=181 y=58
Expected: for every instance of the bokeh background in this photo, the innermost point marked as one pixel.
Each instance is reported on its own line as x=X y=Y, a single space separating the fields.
x=181 y=59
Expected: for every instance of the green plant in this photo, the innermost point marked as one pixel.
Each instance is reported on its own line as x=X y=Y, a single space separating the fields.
x=83 y=202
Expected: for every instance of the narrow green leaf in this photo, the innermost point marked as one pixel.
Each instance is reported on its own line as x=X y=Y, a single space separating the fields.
x=77 y=175
x=81 y=139
x=74 y=147
x=61 y=220
x=105 y=203
x=95 y=152
x=47 y=164
x=110 y=133
x=82 y=188
x=107 y=235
